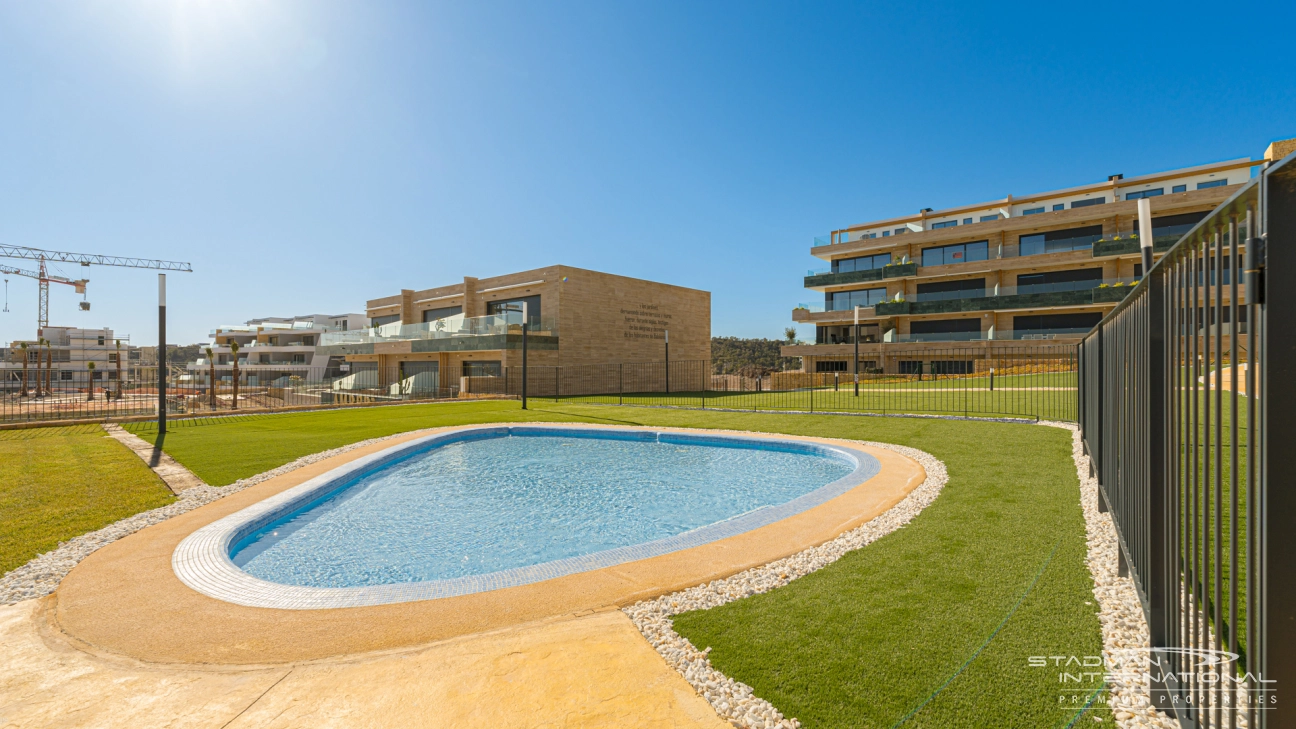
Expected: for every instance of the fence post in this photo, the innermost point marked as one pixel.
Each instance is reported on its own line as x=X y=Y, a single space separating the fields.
x=621 y=384
x=1162 y=580
x=1277 y=543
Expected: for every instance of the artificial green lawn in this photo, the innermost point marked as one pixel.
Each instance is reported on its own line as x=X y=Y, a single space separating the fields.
x=866 y=641
x=58 y=483
x=1059 y=404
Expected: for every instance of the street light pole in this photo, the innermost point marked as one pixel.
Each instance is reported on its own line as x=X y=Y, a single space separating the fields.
x=667 y=361
x=524 y=355
x=1145 y=232
x=856 y=365
x=161 y=354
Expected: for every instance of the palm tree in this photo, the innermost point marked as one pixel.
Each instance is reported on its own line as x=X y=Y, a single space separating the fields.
x=23 y=347
x=119 y=372
x=40 y=374
x=211 y=368
x=49 y=368
x=234 y=348
x=90 y=388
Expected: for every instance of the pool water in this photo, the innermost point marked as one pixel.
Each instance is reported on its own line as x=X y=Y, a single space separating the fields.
x=480 y=506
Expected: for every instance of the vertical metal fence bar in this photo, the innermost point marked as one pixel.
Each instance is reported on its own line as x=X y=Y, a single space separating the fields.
x=1217 y=528
x=1233 y=462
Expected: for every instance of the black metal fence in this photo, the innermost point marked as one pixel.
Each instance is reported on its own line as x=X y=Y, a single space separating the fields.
x=1185 y=414
x=1036 y=381
x=1027 y=382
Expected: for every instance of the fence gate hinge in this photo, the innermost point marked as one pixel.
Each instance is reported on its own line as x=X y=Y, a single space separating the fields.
x=1253 y=266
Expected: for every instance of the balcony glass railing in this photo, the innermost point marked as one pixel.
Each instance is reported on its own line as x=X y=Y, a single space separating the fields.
x=1060 y=332
x=1041 y=288
x=822 y=241
x=450 y=327
x=813 y=308
x=939 y=337
x=949 y=295
x=1063 y=286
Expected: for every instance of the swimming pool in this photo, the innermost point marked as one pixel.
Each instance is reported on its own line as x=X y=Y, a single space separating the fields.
x=481 y=508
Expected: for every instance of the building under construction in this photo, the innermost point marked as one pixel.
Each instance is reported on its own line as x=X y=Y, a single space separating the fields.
x=67 y=353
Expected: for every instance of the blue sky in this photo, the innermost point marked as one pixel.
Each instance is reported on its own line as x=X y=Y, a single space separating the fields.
x=307 y=156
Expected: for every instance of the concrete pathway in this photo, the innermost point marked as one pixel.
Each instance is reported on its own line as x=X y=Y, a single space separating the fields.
x=590 y=671
x=177 y=477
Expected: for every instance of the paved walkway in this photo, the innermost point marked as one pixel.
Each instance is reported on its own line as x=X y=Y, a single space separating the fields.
x=591 y=671
x=177 y=477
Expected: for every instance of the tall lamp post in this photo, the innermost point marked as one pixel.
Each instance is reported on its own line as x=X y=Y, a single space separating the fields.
x=667 y=361
x=522 y=308
x=856 y=338
x=162 y=373
x=1145 y=232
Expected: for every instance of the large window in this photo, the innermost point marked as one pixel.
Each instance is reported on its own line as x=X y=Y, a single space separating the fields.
x=1087 y=203
x=1032 y=211
x=952 y=367
x=988 y=218
x=378 y=321
x=1175 y=226
x=945 y=290
x=1050 y=281
x=946 y=224
x=1212 y=183
x=532 y=307
x=442 y=313
x=1154 y=192
x=941 y=330
x=1060 y=241
x=847 y=300
x=482 y=369
x=861 y=263
x=960 y=253
x=1179 y=188
x=1042 y=326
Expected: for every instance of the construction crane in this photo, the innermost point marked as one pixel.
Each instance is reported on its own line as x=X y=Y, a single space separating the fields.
x=85 y=259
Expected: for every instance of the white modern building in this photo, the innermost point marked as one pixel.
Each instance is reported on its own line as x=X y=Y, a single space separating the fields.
x=273 y=348
x=68 y=351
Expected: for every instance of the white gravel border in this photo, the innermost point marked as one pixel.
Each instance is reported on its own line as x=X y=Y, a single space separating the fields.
x=1125 y=630
x=733 y=700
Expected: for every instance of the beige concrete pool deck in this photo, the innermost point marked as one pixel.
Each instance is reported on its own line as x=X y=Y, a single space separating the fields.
x=123 y=642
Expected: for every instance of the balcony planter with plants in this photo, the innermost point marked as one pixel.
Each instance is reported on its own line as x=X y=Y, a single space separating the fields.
x=1117 y=245
x=891 y=308
x=896 y=270
x=837 y=279
x=1105 y=294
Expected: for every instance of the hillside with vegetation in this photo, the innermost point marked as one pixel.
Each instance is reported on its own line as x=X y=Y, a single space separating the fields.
x=734 y=355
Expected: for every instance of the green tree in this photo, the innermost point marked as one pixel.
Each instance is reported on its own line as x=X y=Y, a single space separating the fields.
x=751 y=357
x=90 y=388
x=790 y=335
x=234 y=348
x=118 y=396
x=211 y=379
x=23 y=346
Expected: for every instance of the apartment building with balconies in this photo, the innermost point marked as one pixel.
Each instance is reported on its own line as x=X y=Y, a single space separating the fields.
x=994 y=276
x=472 y=330
x=273 y=348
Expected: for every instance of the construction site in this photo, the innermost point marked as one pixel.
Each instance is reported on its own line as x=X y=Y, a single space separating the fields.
x=66 y=372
